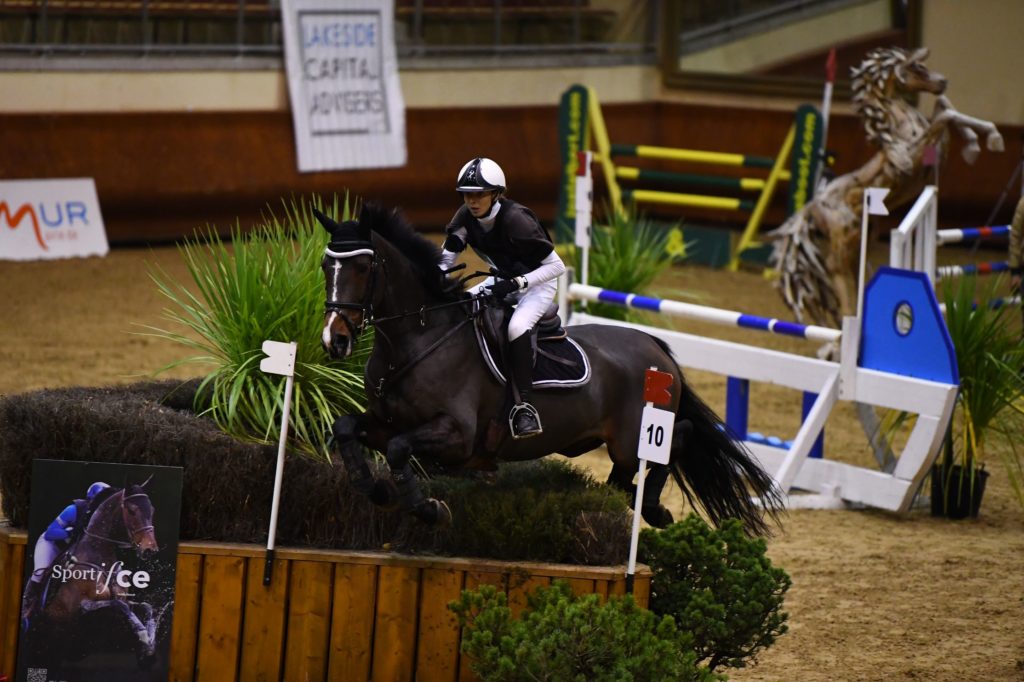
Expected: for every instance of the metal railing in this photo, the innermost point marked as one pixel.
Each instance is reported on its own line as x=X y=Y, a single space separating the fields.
x=469 y=31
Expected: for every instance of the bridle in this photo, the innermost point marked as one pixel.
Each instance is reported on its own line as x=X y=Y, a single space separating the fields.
x=366 y=307
x=132 y=532
x=369 y=320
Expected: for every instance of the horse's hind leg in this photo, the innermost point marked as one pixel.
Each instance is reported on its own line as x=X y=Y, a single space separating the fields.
x=651 y=509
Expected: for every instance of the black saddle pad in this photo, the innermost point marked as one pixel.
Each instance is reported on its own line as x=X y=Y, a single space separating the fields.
x=559 y=364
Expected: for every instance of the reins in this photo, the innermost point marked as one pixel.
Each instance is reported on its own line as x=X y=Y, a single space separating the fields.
x=132 y=532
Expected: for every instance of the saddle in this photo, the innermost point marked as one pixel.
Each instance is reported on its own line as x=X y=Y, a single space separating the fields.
x=559 y=362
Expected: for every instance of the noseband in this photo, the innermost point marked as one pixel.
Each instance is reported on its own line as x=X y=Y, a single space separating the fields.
x=366 y=307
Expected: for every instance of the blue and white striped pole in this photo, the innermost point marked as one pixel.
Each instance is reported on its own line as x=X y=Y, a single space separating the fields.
x=727 y=318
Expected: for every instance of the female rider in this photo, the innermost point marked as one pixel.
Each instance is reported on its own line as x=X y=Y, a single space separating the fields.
x=509 y=238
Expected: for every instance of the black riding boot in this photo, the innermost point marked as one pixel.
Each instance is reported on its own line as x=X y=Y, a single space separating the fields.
x=524 y=420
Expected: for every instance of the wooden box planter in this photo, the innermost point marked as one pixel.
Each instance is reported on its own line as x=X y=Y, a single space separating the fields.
x=327 y=615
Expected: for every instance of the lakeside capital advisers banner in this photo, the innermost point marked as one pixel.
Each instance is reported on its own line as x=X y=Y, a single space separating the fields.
x=47 y=219
x=104 y=566
x=346 y=99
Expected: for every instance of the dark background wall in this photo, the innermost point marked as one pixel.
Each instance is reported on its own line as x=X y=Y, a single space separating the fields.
x=162 y=175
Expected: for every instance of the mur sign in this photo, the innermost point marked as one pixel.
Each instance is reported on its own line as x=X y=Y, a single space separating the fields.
x=347 y=105
x=50 y=219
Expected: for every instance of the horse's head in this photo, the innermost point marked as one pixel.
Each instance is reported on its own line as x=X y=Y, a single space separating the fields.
x=886 y=71
x=350 y=267
x=914 y=76
x=137 y=512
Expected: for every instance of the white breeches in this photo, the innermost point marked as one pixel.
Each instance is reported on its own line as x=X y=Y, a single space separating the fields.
x=530 y=305
x=44 y=555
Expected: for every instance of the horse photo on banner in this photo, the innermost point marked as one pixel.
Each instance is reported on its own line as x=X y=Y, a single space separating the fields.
x=99 y=572
x=347 y=105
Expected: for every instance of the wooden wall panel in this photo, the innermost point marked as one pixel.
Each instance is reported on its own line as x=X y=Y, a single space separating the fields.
x=12 y=558
x=394 y=638
x=187 y=583
x=220 y=620
x=263 y=632
x=437 y=658
x=309 y=621
x=164 y=175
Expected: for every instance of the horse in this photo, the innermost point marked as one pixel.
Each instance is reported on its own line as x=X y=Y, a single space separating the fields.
x=816 y=250
x=431 y=395
x=90 y=578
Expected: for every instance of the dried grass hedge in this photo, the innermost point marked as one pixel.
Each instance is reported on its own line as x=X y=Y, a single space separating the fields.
x=539 y=511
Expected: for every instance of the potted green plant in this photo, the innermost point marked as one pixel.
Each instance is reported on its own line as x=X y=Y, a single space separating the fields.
x=990 y=355
x=265 y=284
x=627 y=253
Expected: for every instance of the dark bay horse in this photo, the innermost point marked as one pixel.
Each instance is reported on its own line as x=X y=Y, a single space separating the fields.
x=93 y=578
x=431 y=395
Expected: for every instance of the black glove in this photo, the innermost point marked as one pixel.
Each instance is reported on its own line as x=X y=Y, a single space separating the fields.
x=503 y=287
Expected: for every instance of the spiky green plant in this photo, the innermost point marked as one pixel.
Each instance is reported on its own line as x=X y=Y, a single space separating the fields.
x=990 y=356
x=627 y=253
x=266 y=284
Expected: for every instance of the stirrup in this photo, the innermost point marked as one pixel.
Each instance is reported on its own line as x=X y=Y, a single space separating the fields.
x=530 y=411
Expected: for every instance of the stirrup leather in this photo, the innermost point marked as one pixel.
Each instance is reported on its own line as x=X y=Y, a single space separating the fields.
x=529 y=409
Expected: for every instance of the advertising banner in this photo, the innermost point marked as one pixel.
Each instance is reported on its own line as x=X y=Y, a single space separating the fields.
x=347 y=106
x=50 y=219
x=98 y=592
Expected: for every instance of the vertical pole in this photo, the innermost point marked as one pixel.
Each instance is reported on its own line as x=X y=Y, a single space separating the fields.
x=635 y=538
x=268 y=565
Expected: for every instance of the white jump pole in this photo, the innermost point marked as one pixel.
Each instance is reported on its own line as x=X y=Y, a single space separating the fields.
x=280 y=360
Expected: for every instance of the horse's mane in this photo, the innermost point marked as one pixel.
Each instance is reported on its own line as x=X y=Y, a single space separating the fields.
x=421 y=253
x=871 y=93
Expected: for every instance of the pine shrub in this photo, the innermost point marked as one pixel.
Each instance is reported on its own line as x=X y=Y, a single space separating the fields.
x=719 y=585
x=561 y=637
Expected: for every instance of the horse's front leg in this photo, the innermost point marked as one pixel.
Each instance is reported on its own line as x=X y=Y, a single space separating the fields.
x=435 y=437
x=350 y=438
x=966 y=126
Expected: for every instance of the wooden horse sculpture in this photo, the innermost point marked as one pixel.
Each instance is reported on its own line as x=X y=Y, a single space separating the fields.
x=817 y=249
x=431 y=395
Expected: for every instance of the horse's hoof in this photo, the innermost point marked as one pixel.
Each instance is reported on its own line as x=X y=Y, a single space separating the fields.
x=444 y=514
x=384 y=494
x=994 y=142
x=146 y=661
x=433 y=512
x=656 y=515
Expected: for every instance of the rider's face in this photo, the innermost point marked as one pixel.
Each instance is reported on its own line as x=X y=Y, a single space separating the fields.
x=479 y=203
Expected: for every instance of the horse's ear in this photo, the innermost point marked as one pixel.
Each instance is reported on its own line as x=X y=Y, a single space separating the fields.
x=919 y=55
x=371 y=217
x=329 y=224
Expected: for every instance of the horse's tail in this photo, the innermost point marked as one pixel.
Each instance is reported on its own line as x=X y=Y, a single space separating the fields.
x=715 y=471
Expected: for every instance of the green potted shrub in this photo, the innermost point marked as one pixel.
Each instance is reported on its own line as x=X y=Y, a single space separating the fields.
x=990 y=356
x=627 y=253
x=264 y=284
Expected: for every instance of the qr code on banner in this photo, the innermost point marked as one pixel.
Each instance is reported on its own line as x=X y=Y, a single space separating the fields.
x=37 y=675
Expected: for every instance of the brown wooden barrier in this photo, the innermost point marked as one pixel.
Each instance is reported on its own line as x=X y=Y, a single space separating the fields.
x=327 y=615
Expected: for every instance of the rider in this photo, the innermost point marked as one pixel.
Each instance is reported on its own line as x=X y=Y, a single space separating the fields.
x=58 y=536
x=512 y=241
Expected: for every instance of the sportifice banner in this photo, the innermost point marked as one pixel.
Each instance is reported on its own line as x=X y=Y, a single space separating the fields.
x=347 y=106
x=50 y=219
x=98 y=590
